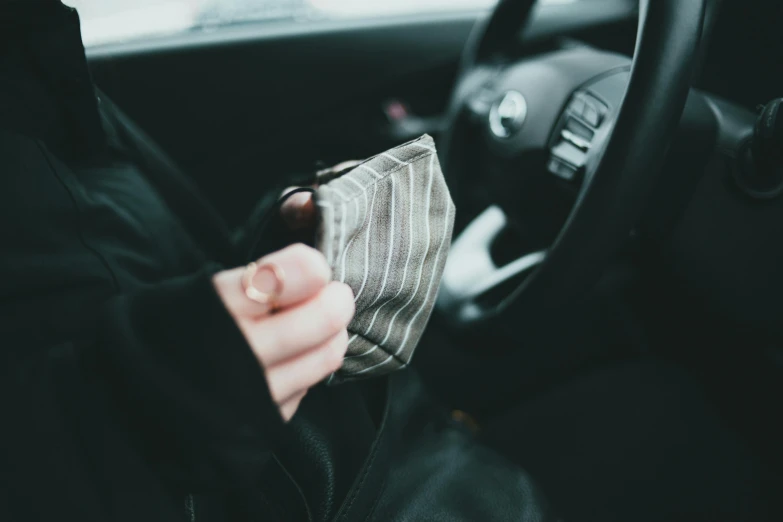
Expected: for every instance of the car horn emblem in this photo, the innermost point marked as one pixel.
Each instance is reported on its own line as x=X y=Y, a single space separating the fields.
x=508 y=115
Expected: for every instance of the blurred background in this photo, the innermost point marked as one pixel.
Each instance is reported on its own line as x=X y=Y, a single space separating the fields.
x=111 y=21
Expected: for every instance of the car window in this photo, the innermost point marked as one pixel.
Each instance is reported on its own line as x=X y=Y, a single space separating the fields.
x=109 y=21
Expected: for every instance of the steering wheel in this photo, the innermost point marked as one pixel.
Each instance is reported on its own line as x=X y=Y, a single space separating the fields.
x=577 y=119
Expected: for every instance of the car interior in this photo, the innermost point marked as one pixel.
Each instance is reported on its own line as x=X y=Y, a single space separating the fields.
x=610 y=314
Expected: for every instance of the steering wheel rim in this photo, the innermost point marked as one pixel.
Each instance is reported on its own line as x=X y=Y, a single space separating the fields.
x=613 y=198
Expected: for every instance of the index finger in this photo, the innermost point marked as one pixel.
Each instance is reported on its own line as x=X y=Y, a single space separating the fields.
x=304 y=273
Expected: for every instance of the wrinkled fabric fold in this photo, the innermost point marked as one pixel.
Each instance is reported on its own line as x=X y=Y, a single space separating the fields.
x=385 y=228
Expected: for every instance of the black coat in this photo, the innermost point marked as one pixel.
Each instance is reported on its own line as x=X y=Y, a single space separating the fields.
x=127 y=392
x=125 y=383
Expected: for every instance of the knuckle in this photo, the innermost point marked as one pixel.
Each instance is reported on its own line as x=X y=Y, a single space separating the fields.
x=342 y=339
x=337 y=349
x=266 y=344
x=274 y=389
x=336 y=308
x=290 y=408
x=332 y=321
x=346 y=299
x=311 y=262
x=299 y=249
x=336 y=365
x=223 y=281
x=300 y=252
x=334 y=356
x=219 y=281
x=343 y=295
x=340 y=343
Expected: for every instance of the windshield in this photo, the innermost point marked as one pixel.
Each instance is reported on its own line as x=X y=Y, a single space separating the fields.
x=107 y=21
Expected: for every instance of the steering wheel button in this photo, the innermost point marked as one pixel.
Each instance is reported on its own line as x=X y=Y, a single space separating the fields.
x=562 y=170
x=569 y=153
x=580 y=129
x=575 y=140
x=577 y=106
x=592 y=115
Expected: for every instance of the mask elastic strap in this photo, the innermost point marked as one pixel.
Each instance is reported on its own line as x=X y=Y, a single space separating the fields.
x=259 y=229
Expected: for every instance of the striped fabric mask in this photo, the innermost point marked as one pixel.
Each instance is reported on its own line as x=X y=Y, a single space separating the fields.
x=385 y=229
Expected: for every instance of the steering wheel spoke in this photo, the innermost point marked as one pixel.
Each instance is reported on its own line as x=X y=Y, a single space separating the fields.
x=473 y=283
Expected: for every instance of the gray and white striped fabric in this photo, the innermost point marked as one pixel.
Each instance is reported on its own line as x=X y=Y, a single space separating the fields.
x=385 y=230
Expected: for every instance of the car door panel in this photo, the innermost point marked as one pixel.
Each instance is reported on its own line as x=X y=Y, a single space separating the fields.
x=242 y=108
x=240 y=116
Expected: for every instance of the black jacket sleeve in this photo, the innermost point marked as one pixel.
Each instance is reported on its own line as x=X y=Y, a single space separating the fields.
x=166 y=399
x=156 y=395
x=175 y=358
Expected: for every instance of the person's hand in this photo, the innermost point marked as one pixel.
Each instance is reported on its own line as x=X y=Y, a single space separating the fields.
x=305 y=339
x=299 y=211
